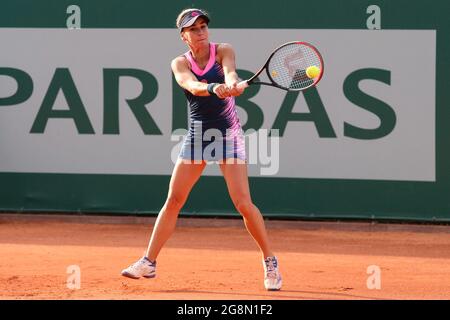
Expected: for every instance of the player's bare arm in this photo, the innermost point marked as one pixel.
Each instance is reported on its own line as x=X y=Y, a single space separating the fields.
x=227 y=56
x=187 y=80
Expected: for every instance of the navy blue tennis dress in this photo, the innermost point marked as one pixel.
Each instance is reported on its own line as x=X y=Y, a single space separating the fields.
x=215 y=132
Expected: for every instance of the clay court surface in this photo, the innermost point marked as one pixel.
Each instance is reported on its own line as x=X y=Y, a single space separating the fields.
x=217 y=259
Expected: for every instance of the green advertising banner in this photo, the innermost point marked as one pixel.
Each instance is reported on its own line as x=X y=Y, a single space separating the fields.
x=92 y=120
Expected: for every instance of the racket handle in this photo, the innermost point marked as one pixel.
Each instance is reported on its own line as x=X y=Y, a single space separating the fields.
x=242 y=85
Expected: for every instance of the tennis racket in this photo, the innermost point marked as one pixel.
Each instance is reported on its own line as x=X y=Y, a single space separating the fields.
x=293 y=66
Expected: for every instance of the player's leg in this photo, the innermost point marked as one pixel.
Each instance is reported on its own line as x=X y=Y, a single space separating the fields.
x=235 y=174
x=184 y=176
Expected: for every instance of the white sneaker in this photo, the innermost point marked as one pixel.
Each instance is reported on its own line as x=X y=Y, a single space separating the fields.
x=141 y=268
x=272 y=277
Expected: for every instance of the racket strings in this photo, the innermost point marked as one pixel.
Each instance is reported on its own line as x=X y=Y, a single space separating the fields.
x=288 y=65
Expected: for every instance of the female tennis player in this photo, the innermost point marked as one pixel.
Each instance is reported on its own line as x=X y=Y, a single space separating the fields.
x=207 y=73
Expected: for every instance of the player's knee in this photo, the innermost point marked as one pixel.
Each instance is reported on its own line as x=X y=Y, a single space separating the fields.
x=174 y=203
x=244 y=206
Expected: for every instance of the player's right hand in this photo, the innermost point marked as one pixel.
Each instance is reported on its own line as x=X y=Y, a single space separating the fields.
x=222 y=91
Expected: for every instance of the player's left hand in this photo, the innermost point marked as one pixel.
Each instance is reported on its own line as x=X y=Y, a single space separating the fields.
x=234 y=90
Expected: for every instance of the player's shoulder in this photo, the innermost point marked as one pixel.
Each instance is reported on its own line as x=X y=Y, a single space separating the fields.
x=179 y=62
x=224 y=47
x=179 y=59
x=224 y=50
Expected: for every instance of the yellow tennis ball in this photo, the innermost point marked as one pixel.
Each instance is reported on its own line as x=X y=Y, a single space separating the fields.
x=274 y=73
x=312 y=72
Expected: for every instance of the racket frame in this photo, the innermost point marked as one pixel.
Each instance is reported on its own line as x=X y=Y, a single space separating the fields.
x=251 y=80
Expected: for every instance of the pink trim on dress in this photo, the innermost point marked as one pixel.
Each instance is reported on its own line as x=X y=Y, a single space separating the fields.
x=212 y=59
